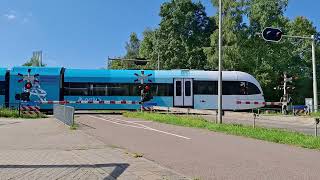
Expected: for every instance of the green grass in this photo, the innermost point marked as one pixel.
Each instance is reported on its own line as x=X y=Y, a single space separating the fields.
x=11 y=113
x=315 y=114
x=74 y=126
x=272 y=135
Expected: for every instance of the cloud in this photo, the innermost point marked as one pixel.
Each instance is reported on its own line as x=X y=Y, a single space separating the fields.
x=10 y=16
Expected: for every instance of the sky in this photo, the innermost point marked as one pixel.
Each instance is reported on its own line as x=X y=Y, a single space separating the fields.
x=83 y=34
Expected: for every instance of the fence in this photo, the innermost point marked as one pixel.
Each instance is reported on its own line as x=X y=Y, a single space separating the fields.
x=64 y=113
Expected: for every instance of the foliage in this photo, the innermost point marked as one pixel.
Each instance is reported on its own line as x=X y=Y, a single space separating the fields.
x=34 y=62
x=272 y=135
x=132 y=48
x=12 y=113
x=183 y=32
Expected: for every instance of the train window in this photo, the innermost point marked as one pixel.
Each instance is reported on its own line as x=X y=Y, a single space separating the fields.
x=187 y=88
x=164 y=90
x=113 y=89
x=178 y=88
x=233 y=88
x=2 y=87
x=118 y=90
x=253 y=89
x=76 y=89
x=205 y=87
x=99 y=90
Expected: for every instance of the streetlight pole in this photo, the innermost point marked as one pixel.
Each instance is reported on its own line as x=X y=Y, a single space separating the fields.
x=220 y=65
x=314 y=68
x=158 y=55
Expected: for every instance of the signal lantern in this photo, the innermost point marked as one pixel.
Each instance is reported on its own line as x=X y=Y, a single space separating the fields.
x=146 y=88
x=272 y=34
x=28 y=85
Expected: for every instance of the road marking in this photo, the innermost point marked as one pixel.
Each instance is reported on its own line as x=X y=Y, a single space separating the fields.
x=140 y=121
x=121 y=124
x=137 y=125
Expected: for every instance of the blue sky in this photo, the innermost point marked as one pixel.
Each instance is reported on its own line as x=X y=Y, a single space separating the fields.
x=82 y=34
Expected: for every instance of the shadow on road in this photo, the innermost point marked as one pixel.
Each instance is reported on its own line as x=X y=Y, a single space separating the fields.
x=119 y=168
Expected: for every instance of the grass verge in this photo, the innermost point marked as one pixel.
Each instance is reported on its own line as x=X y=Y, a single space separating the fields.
x=271 y=135
x=74 y=126
x=11 y=113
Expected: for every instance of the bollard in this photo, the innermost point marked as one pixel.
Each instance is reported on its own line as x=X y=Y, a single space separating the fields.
x=316 y=127
x=216 y=117
x=254 y=119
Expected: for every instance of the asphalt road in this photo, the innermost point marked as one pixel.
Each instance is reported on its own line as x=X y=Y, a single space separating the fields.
x=203 y=154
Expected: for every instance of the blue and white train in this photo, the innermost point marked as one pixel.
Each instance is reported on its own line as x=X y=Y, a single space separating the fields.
x=171 y=88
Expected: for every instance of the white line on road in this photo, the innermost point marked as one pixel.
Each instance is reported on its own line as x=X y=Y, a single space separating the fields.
x=137 y=125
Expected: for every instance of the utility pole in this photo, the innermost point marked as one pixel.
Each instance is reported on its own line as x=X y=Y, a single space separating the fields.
x=314 y=68
x=158 y=49
x=141 y=91
x=38 y=56
x=220 y=65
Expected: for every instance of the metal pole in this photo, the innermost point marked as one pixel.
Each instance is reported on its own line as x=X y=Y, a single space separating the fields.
x=158 y=52
x=20 y=106
x=315 y=89
x=141 y=82
x=40 y=58
x=220 y=64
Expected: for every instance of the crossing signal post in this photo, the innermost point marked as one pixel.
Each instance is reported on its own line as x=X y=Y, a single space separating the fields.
x=145 y=93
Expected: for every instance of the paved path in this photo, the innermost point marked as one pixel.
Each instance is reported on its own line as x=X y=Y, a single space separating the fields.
x=203 y=154
x=293 y=123
x=47 y=149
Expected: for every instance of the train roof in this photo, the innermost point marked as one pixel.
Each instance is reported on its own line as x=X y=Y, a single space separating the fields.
x=3 y=72
x=44 y=71
x=157 y=76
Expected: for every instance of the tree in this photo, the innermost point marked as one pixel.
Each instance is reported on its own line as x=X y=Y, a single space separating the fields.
x=132 y=48
x=234 y=31
x=34 y=62
x=149 y=49
x=184 y=31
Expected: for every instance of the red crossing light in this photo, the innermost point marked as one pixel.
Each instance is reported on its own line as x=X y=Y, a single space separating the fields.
x=28 y=85
x=147 y=88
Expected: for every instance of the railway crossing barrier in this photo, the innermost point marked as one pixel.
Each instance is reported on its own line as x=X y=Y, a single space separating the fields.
x=184 y=110
x=30 y=110
x=260 y=103
x=89 y=102
x=64 y=113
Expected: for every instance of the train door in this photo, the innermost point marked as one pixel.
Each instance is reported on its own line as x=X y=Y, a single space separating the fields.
x=183 y=92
